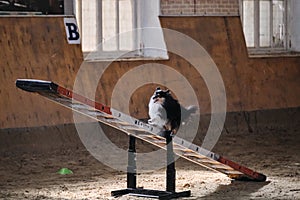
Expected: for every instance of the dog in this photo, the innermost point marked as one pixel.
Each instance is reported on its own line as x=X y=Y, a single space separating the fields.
x=166 y=113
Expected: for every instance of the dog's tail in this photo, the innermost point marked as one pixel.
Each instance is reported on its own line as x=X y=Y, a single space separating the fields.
x=186 y=112
x=192 y=109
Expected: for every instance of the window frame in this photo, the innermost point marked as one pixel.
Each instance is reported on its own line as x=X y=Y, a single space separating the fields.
x=257 y=49
x=100 y=54
x=118 y=51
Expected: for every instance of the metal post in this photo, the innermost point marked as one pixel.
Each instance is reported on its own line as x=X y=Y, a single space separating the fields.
x=171 y=172
x=170 y=175
x=131 y=168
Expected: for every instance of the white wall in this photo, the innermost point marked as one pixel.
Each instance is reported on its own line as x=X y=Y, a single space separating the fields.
x=151 y=34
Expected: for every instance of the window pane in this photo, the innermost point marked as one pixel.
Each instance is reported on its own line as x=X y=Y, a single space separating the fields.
x=126 y=24
x=89 y=26
x=248 y=22
x=264 y=23
x=278 y=23
x=109 y=25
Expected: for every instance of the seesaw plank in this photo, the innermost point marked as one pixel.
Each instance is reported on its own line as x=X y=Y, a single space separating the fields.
x=137 y=128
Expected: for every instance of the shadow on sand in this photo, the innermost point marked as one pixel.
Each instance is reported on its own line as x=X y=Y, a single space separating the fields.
x=236 y=190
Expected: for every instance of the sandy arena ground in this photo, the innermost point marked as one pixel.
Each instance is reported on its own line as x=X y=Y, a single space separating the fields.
x=273 y=153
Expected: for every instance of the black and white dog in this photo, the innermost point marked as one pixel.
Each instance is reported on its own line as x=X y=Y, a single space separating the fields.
x=166 y=113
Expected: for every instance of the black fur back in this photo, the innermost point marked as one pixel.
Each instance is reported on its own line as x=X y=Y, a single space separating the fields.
x=173 y=111
x=172 y=107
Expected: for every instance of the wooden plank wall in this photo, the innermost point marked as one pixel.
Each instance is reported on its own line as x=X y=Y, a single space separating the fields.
x=34 y=47
x=37 y=48
x=251 y=83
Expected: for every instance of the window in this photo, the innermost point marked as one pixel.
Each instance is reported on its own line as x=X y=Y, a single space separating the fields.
x=265 y=25
x=37 y=7
x=103 y=21
x=118 y=16
x=110 y=28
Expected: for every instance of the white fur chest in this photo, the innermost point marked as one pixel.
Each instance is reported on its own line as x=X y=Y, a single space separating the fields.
x=157 y=114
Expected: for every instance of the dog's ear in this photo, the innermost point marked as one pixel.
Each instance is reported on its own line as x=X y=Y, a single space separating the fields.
x=158 y=88
x=168 y=91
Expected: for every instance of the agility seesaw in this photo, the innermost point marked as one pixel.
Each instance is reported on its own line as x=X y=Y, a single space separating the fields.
x=138 y=129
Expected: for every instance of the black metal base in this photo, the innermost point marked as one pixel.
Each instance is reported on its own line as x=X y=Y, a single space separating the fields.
x=170 y=175
x=162 y=195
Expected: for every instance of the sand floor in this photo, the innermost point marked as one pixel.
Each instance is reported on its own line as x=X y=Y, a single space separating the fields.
x=276 y=154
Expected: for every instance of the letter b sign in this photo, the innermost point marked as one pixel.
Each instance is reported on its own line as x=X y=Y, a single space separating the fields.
x=72 y=31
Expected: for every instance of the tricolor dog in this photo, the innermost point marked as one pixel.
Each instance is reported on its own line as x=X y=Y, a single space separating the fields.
x=165 y=112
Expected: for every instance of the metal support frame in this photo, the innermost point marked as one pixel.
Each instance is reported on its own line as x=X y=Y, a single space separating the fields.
x=171 y=171
x=131 y=168
x=170 y=192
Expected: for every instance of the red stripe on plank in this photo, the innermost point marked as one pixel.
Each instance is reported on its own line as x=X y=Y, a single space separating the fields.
x=68 y=93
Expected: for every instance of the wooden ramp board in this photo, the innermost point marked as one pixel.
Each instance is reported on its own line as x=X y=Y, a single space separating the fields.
x=137 y=128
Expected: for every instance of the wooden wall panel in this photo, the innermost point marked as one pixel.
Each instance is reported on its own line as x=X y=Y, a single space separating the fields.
x=36 y=47
x=251 y=83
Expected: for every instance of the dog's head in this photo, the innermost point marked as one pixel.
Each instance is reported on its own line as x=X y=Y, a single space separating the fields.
x=160 y=95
